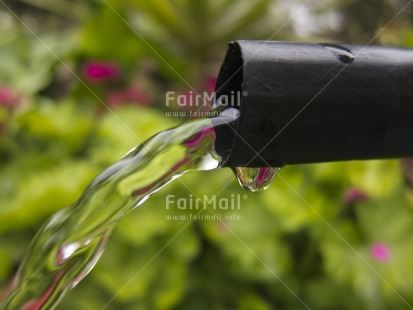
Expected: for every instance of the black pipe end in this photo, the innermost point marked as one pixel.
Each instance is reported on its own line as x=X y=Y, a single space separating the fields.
x=308 y=103
x=229 y=82
x=232 y=142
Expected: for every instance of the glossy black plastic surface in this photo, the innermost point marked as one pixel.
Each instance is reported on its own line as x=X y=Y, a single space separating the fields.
x=308 y=103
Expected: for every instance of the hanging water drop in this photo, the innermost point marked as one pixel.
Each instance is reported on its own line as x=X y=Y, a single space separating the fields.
x=256 y=179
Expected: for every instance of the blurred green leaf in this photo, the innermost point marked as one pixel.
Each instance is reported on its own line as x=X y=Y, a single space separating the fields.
x=107 y=36
x=227 y=26
x=63 y=124
x=302 y=230
x=168 y=14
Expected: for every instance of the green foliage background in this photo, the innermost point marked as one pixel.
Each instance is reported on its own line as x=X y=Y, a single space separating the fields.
x=299 y=243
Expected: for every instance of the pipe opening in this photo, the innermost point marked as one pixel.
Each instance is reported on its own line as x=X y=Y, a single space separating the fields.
x=229 y=82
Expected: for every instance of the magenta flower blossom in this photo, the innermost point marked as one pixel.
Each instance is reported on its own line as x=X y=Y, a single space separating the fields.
x=354 y=194
x=8 y=98
x=116 y=98
x=380 y=252
x=98 y=71
x=187 y=99
x=210 y=85
x=133 y=94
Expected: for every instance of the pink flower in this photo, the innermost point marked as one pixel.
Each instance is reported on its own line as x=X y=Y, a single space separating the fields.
x=116 y=98
x=133 y=94
x=210 y=84
x=97 y=71
x=187 y=99
x=8 y=98
x=380 y=252
x=354 y=194
x=136 y=95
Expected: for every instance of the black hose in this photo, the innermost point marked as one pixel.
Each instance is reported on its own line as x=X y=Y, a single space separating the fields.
x=308 y=103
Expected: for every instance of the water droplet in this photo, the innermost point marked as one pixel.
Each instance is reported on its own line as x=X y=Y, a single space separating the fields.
x=255 y=179
x=341 y=53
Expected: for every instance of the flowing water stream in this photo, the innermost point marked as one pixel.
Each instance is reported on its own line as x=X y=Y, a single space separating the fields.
x=71 y=242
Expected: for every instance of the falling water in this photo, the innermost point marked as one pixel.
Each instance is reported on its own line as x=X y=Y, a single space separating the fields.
x=68 y=246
